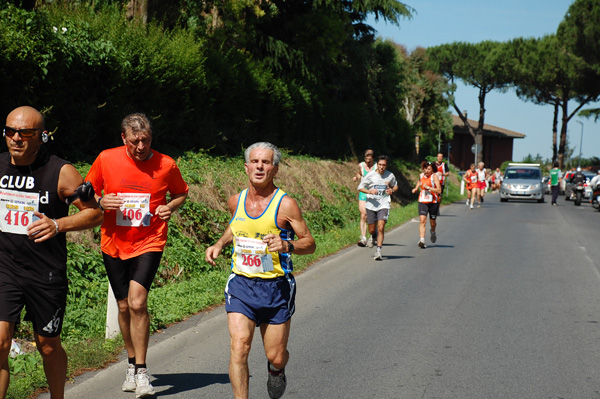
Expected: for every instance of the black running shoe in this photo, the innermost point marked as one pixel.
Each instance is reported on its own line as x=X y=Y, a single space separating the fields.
x=276 y=383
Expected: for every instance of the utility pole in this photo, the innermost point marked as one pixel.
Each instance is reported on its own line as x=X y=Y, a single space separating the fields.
x=580 y=144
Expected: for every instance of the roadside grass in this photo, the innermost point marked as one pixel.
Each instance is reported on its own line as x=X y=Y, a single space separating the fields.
x=185 y=284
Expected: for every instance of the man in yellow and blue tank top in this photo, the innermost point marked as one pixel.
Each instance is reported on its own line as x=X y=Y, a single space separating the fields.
x=261 y=289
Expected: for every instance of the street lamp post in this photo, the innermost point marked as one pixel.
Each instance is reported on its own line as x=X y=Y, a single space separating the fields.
x=580 y=144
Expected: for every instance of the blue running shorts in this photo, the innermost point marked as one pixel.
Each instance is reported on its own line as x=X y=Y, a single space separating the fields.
x=270 y=301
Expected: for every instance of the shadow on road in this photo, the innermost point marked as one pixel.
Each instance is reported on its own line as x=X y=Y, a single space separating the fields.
x=183 y=382
x=393 y=245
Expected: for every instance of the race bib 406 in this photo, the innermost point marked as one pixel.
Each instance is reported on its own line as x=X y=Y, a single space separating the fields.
x=135 y=211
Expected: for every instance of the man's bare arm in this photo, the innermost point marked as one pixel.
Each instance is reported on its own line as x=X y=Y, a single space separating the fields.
x=290 y=212
x=89 y=214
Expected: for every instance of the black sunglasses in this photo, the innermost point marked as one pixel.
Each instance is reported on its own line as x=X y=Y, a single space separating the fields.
x=24 y=133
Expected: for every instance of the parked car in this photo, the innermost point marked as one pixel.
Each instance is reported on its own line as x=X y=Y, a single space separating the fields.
x=546 y=183
x=522 y=181
x=587 y=193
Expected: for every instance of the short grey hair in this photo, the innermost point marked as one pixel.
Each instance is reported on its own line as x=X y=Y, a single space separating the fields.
x=267 y=146
x=137 y=122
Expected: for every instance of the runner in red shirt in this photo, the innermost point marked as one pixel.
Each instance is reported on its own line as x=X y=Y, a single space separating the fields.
x=470 y=179
x=429 y=184
x=441 y=168
x=135 y=181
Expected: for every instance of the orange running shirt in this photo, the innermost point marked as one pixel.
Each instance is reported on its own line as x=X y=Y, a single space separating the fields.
x=471 y=179
x=130 y=232
x=426 y=196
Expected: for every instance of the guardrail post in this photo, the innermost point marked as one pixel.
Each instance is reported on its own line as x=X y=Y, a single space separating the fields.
x=112 y=315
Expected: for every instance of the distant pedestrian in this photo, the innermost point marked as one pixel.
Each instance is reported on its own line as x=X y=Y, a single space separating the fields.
x=555 y=180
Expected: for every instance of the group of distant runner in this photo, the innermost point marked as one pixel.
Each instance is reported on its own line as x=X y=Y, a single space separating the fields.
x=376 y=186
x=478 y=181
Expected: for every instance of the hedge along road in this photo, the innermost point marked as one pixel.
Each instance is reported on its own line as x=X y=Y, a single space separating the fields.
x=505 y=304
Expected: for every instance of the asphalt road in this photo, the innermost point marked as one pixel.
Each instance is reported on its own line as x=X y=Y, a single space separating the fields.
x=505 y=304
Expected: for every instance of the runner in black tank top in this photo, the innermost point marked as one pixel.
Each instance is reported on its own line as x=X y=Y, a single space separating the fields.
x=34 y=191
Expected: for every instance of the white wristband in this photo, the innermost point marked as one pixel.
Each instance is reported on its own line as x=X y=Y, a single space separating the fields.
x=55 y=224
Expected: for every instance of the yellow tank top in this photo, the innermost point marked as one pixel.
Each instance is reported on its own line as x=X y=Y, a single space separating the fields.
x=251 y=257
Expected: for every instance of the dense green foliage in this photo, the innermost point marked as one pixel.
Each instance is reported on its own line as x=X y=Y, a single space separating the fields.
x=545 y=72
x=216 y=75
x=580 y=31
x=553 y=70
x=481 y=65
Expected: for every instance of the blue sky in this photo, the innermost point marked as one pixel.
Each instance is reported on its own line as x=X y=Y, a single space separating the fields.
x=437 y=21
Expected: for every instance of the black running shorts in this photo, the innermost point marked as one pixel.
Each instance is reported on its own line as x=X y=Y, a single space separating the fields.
x=141 y=269
x=432 y=209
x=44 y=304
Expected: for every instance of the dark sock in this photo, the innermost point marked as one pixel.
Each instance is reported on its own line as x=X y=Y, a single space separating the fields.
x=131 y=360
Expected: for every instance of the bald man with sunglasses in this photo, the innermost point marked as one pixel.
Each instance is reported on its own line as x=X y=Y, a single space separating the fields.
x=36 y=190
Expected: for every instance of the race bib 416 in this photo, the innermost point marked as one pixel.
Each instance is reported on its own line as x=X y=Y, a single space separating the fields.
x=16 y=210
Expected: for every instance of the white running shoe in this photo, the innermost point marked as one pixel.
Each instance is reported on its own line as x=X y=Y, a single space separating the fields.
x=433 y=237
x=377 y=254
x=142 y=382
x=370 y=242
x=467 y=202
x=471 y=206
x=362 y=242
x=129 y=384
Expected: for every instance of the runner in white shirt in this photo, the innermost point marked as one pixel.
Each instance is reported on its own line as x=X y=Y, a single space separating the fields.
x=482 y=176
x=379 y=186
